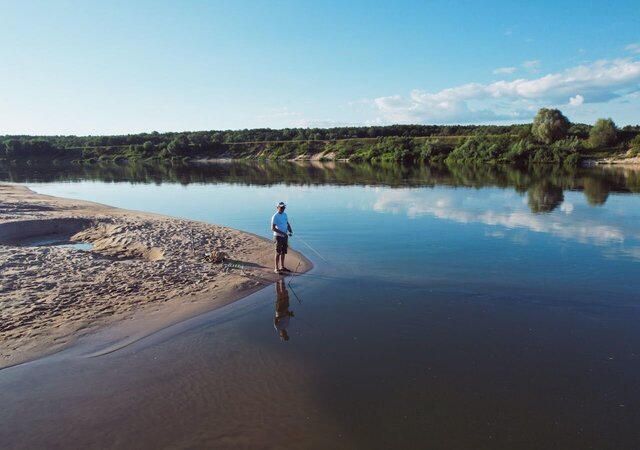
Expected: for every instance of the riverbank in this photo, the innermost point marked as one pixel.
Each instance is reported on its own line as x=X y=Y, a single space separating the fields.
x=620 y=161
x=116 y=265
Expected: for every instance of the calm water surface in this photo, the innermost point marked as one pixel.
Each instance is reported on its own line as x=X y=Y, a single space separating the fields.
x=481 y=308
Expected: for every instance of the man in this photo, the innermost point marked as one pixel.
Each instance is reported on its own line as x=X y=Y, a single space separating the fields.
x=281 y=232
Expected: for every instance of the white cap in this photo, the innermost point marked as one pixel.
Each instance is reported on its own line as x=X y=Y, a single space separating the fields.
x=280 y=205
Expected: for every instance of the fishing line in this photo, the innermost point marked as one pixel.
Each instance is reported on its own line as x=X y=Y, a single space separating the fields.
x=311 y=248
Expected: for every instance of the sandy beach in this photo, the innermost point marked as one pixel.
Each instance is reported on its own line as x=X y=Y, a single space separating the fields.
x=142 y=269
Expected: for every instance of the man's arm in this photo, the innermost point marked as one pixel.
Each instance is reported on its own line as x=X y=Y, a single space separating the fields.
x=275 y=228
x=289 y=228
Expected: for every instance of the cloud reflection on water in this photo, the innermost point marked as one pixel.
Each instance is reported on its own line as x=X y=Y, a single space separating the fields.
x=574 y=220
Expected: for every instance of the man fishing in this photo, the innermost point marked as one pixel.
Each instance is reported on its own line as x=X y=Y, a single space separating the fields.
x=281 y=232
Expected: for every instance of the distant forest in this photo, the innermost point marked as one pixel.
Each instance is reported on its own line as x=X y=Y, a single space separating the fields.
x=551 y=138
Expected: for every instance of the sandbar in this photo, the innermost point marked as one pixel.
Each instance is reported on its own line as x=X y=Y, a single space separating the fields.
x=69 y=268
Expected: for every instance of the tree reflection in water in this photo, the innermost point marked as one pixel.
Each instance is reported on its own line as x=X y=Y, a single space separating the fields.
x=544 y=197
x=544 y=184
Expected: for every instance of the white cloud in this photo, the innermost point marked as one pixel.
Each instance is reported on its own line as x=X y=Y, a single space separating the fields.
x=282 y=112
x=518 y=99
x=578 y=100
x=532 y=65
x=321 y=123
x=566 y=207
x=504 y=70
x=635 y=47
x=285 y=117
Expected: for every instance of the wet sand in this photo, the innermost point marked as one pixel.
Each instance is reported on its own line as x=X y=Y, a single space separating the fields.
x=137 y=273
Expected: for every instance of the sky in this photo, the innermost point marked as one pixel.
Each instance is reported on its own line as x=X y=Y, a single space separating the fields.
x=119 y=67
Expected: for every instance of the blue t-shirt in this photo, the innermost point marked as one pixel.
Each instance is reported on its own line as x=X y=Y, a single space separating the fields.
x=280 y=220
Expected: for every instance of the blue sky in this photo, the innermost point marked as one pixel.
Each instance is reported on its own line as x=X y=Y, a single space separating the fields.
x=82 y=67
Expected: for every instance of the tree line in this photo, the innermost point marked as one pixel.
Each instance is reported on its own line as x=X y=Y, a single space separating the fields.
x=551 y=138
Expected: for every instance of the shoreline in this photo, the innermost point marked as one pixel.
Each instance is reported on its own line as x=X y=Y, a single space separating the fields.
x=632 y=162
x=136 y=272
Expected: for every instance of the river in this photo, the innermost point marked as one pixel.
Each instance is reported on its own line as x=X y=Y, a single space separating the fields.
x=469 y=307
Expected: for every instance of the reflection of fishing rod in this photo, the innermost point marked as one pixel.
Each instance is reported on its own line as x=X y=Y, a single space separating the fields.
x=295 y=272
x=294 y=293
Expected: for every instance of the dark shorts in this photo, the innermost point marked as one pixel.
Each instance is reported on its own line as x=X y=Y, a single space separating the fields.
x=282 y=244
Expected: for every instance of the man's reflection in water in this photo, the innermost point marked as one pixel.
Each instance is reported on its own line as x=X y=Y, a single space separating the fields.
x=281 y=320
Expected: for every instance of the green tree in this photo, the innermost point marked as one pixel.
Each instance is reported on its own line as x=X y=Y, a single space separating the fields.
x=603 y=134
x=635 y=145
x=12 y=148
x=179 y=146
x=549 y=125
x=148 y=147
